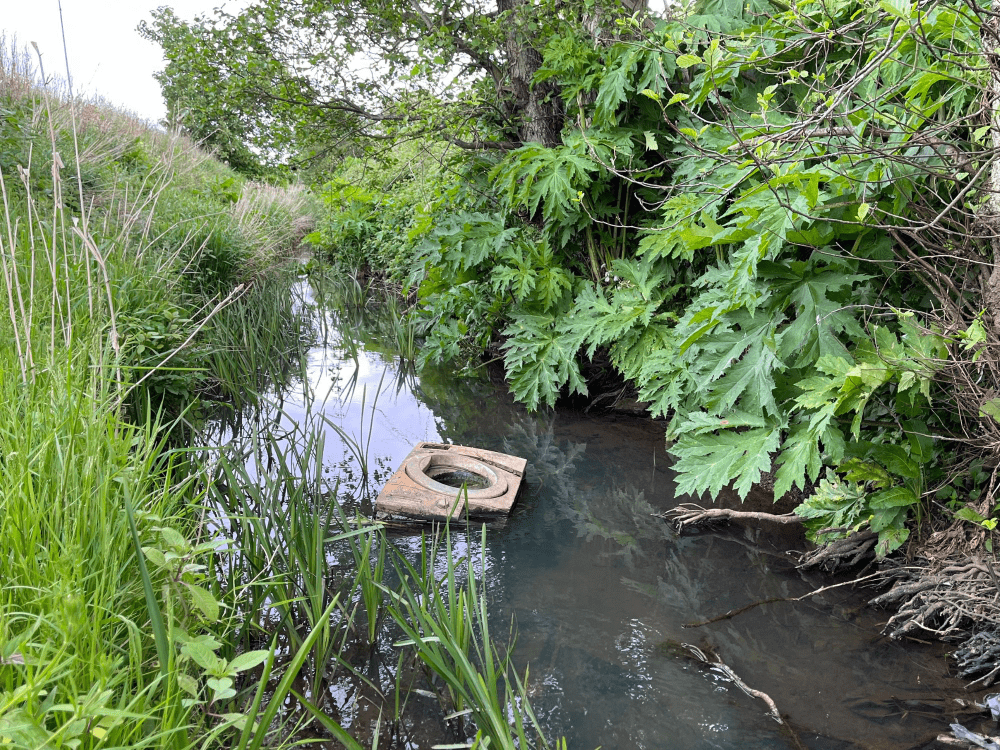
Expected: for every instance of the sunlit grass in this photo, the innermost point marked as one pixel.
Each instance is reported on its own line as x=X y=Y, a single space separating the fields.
x=126 y=617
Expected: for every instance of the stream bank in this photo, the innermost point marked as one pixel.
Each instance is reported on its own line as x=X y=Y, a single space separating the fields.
x=599 y=586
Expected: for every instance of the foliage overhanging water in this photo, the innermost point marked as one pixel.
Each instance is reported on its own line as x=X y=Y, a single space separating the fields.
x=600 y=589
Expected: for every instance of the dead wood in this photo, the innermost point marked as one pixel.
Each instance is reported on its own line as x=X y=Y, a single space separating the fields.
x=847 y=552
x=719 y=666
x=689 y=514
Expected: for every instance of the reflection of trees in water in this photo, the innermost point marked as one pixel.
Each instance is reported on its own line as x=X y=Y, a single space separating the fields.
x=597 y=506
x=620 y=515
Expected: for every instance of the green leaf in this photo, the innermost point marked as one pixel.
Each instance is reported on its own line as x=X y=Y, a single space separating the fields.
x=800 y=458
x=173 y=538
x=890 y=540
x=893 y=497
x=902 y=9
x=155 y=556
x=540 y=358
x=188 y=684
x=990 y=408
x=203 y=656
x=247 y=660
x=687 y=60
x=709 y=462
x=204 y=601
x=221 y=687
x=747 y=361
x=968 y=514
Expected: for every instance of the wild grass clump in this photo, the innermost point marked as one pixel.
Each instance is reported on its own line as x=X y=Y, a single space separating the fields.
x=110 y=633
x=305 y=571
x=136 y=279
x=274 y=219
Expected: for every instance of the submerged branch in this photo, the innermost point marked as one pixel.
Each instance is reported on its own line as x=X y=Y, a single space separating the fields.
x=733 y=612
x=728 y=672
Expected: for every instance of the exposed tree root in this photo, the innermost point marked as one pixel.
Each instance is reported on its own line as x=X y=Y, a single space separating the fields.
x=948 y=601
x=689 y=514
x=981 y=653
x=842 y=553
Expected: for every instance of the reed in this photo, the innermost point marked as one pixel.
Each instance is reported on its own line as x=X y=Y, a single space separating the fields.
x=446 y=623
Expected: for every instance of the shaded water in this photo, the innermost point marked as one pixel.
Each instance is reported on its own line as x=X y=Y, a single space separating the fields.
x=601 y=589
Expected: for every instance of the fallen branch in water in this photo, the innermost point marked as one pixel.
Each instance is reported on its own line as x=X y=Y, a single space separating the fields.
x=724 y=669
x=689 y=514
x=733 y=612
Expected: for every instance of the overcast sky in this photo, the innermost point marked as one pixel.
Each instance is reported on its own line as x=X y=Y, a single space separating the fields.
x=107 y=57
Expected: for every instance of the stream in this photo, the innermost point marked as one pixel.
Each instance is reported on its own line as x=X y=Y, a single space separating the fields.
x=600 y=588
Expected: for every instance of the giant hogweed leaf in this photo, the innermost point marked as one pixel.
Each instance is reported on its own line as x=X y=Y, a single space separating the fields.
x=800 y=456
x=534 y=176
x=463 y=241
x=750 y=381
x=616 y=84
x=540 y=357
x=630 y=351
x=700 y=422
x=664 y=379
x=743 y=363
x=819 y=318
x=688 y=224
x=836 y=504
x=532 y=274
x=709 y=462
x=632 y=305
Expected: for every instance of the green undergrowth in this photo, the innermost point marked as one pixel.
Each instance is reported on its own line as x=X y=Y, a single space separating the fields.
x=141 y=287
x=758 y=234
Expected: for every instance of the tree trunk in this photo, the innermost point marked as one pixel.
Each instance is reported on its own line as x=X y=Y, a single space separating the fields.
x=536 y=108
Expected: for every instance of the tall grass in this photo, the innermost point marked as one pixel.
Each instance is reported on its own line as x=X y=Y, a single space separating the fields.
x=95 y=509
x=296 y=552
x=133 y=284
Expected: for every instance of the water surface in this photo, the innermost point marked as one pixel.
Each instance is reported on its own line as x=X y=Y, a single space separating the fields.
x=599 y=586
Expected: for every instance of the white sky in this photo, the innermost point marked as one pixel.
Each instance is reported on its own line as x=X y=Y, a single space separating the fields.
x=107 y=57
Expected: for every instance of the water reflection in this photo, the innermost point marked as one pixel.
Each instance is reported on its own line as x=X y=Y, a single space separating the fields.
x=598 y=585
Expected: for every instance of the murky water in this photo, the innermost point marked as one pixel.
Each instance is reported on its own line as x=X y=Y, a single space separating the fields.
x=601 y=589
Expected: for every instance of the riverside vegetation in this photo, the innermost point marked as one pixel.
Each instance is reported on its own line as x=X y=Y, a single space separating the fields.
x=774 y=222
x=142 y=288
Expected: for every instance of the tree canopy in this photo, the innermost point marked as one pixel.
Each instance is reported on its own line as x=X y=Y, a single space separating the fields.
x=313 y=77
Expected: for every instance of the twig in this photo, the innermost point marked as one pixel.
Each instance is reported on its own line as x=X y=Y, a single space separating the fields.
x=733 y=612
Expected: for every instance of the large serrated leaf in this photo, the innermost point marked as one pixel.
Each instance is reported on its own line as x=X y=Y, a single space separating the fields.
x=709 y=462
x=799 y=459
x=540 y=358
